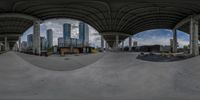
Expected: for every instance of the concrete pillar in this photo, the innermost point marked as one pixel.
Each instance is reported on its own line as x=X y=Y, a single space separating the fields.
x=15 y=47
x=0 y=46
x=194 y=47
x=191 y=33
x=8 y=46
x=175 y=43
x=6 y=43
x=19 y=43
x=102 y=43
x=130 y=43
x=107 y=46
x=122 y=45
x=71 y=46
x=117 y=42
x=196 y=38
x=36 y=38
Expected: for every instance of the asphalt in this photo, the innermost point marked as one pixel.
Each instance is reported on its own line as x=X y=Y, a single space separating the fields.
x=114 y=76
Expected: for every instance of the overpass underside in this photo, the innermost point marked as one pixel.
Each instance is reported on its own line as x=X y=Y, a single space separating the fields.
x=115 y=20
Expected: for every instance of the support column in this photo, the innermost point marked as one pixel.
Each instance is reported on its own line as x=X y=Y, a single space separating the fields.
x=130 y=43
x=117 y=42
x=194 y=47
x=102 y=43
x=8 y=46
x=6 y=43
x=191 y=33
x=71 y=46
x=0 y=46
x=36 y=38
x=196 y=38
x=19 y=43
x=107 y=47
x=175 y=43
x=122 y=45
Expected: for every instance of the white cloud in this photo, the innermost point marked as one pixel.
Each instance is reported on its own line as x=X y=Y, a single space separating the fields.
x=160 y=36
x=182 y=42
x=94 y=37
x=57 y=26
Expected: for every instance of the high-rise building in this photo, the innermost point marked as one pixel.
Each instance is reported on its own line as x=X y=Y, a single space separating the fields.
x=30 y=41
x=135 y=43
x=84 y=33
x=44 y=43
x=66 y=31
x=60 y=42
x=50 y=38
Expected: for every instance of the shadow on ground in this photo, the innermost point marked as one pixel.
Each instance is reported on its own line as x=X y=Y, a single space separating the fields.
x=160 y=58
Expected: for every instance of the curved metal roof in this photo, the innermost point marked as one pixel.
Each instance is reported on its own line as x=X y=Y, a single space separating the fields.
x=124 y=16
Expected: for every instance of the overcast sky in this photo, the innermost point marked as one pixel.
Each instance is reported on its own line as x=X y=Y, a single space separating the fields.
x=156 y=36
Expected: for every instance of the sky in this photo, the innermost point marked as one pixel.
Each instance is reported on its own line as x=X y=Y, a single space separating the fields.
x=57 y=26
x=149 y=37
x=159 y=37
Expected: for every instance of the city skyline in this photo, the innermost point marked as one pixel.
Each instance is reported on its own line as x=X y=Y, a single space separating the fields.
x=149 y=37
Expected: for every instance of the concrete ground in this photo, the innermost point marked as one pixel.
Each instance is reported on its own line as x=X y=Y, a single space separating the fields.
x=163 y=58
x=58 y=63
x=115 y=76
